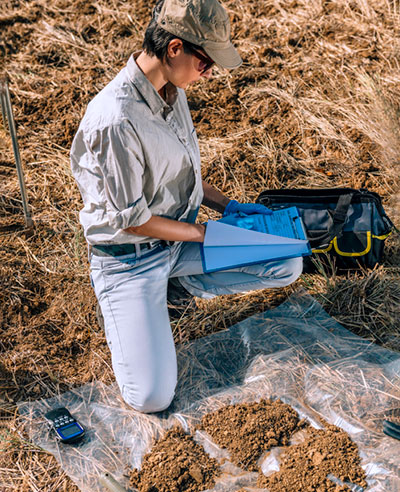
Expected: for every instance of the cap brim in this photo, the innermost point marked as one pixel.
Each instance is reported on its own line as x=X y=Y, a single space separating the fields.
x=226 y=57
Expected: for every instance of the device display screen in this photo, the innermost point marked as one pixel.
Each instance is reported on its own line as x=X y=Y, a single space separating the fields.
x=69 y=431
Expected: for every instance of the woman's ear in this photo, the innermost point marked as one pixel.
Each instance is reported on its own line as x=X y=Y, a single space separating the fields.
x=175 y=47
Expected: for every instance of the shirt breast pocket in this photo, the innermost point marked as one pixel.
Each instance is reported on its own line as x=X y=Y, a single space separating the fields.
x=167 y=158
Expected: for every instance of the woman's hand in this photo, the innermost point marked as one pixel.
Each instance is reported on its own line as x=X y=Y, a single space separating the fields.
x=235 y=207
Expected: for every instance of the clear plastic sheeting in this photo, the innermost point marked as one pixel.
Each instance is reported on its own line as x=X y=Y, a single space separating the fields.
x=295 y=352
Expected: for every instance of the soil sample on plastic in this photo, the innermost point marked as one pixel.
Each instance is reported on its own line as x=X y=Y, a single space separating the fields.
x=176 y=463
x=247 y=430
x=306 y=466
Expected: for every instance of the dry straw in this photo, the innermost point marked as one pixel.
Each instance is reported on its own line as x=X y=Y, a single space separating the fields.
x=315 y=104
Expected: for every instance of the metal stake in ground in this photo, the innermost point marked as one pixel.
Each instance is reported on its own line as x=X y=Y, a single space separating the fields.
x=7 y=111
x=3 y=110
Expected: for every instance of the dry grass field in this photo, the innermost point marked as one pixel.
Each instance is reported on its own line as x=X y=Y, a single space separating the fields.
x=316 y=103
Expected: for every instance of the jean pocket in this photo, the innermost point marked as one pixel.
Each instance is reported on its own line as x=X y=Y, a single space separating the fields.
x=118 y=264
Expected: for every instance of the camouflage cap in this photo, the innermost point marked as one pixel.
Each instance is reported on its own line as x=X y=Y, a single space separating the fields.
x=204 y=23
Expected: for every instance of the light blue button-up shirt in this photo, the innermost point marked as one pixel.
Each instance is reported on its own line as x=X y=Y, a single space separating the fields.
x=134 y=156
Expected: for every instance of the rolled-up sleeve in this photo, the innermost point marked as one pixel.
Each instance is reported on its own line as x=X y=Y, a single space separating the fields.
x=118 y=151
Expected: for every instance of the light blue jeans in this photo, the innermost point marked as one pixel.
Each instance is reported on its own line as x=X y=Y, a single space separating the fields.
x=132 y=293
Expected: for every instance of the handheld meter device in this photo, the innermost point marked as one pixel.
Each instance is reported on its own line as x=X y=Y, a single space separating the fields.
x=67 y=429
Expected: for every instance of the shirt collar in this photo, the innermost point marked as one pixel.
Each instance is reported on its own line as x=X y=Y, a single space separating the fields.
x=153 y=99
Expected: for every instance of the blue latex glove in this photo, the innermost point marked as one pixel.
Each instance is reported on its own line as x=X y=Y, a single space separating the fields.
x=235 y=207
x=238 y=220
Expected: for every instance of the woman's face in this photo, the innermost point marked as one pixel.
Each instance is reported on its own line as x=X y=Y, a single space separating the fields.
x=185 y=68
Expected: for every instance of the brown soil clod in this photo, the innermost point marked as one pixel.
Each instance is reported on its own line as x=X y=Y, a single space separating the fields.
x=306 y=466
x=176 y=463
x=247 y=430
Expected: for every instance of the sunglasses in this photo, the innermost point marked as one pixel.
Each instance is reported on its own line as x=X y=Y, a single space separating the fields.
x=207 y=62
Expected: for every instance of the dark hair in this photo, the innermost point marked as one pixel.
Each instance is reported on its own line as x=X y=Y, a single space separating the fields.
x=157 y=39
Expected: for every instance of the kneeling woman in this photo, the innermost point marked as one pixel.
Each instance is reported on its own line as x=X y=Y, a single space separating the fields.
x=136 y=160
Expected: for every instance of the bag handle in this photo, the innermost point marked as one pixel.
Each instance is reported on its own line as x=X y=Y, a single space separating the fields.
x=338 y=219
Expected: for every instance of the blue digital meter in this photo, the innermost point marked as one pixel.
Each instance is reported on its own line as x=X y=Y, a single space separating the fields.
x=67 y=429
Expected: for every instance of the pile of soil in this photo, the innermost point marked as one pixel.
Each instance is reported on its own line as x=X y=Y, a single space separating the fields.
x=247 y=430
x=306 y=466
x=176 y=463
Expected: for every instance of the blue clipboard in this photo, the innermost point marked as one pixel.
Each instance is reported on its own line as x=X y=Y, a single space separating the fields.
x=227 y=246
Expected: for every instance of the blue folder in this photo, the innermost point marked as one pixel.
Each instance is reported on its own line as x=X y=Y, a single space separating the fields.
x=227 y=246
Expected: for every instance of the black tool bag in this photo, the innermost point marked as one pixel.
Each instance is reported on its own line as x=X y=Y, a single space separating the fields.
x=346 y=227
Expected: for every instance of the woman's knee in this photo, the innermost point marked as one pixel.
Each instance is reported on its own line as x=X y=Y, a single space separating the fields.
x=150 y=398
x=285 y=272
x=293 y=269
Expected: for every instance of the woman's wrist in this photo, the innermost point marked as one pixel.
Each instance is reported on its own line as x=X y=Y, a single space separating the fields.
x=213 y=198
x=201 y=228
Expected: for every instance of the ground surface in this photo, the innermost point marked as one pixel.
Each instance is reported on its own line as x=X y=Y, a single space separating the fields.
x=315 y=104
